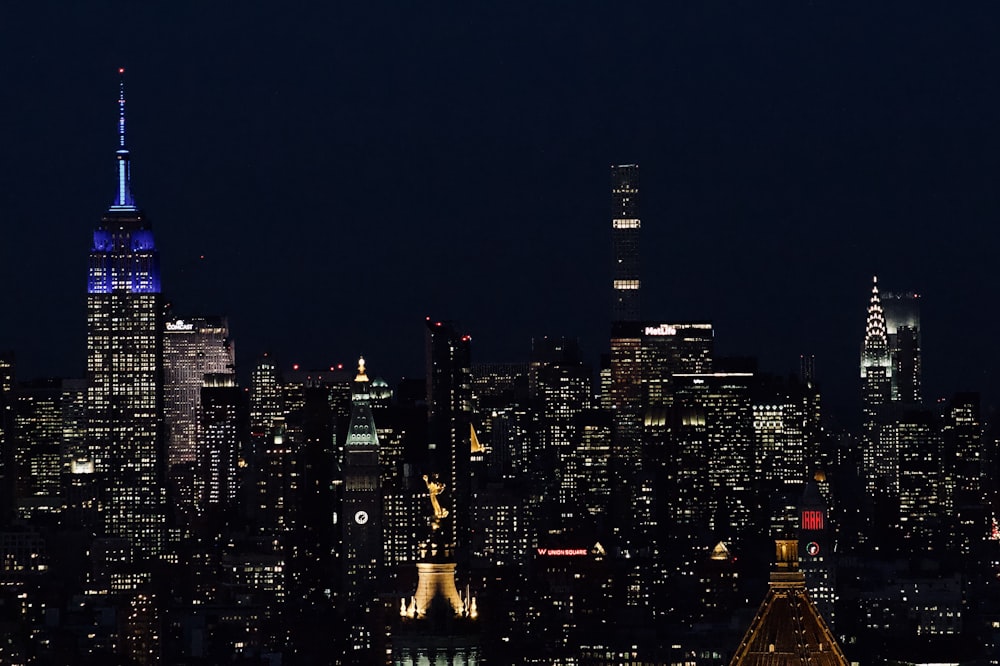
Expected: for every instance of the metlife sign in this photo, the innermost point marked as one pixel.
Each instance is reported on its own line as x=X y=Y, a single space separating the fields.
x=662 y=329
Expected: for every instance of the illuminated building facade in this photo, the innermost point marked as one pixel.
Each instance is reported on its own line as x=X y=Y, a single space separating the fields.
x=402 y=431
x=962 y=440
x=504 y=531
x=49 y=434
x=125 y=366
x=593 y=464
x=192 y=348
x=645 y=357
x=713 y=450
x=38 y=435
x=880 y=462
x=902 y=322
x=362 y=502
x=449 y=417
x=505 y=422
x=816 y=551
x=561 y=386
x=925 y=488
x=625 y=226
x=492 y=382
x=787 y=431
x=268 y=475
x=223 y=429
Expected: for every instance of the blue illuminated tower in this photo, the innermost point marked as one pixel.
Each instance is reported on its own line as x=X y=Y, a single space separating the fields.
x=125 y=367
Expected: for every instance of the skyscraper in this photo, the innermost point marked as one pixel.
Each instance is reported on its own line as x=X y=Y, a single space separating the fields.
x=449 y=411
x=876 y=391
x=192 y=349
x=363 y=542
x=362 y=498
x=902 y=322
x=561 y=384
x=625 y=227
x=125 y=367
x=224 y=427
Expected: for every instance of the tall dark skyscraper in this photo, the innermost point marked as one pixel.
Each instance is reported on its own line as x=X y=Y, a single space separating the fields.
x=561 y=384
x=902 y=321
x=625 y=227
x=125 y=367
x=449 y=415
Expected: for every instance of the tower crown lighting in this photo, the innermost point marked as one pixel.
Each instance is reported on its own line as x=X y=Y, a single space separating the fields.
x=123 y=197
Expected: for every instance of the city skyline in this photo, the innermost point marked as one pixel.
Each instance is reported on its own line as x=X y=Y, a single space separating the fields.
x=772 y=191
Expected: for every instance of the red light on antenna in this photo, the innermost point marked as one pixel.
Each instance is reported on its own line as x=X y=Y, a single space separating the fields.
x=340 y=366
x=121 y=70
x=295 y=367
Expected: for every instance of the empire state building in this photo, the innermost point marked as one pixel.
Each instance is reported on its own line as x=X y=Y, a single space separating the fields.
x=124 y=366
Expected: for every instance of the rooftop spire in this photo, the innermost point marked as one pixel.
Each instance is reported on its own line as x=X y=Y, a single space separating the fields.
x=123 y=197
x=875 y=350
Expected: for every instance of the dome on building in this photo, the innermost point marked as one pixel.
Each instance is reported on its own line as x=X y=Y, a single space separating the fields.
x=787 y=629
x=379 y=389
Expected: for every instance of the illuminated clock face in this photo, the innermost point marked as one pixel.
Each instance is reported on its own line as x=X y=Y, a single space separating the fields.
x=361 y=517
x=813 y=548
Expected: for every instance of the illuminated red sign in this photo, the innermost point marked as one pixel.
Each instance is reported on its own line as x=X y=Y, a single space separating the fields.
x=561 y=552
x=812 y=520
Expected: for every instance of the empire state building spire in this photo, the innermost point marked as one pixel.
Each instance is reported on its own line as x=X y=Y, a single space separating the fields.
x=123 y=197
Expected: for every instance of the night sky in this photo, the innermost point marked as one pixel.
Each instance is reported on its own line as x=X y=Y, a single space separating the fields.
x=346 y=169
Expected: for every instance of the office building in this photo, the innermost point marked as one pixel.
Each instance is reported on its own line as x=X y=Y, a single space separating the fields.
x=223 y=429
x=645 y=358
x=38 y=435
x=125 y=366
x=449 y=417
x=902 y=324
x=192 y=348
x=787 y=431
x=710 y=485
x=561 y=386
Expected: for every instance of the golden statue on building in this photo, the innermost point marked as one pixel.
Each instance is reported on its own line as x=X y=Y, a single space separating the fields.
x=435 y=488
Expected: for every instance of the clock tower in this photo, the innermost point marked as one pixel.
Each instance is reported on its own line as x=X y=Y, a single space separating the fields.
x=362 y=510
